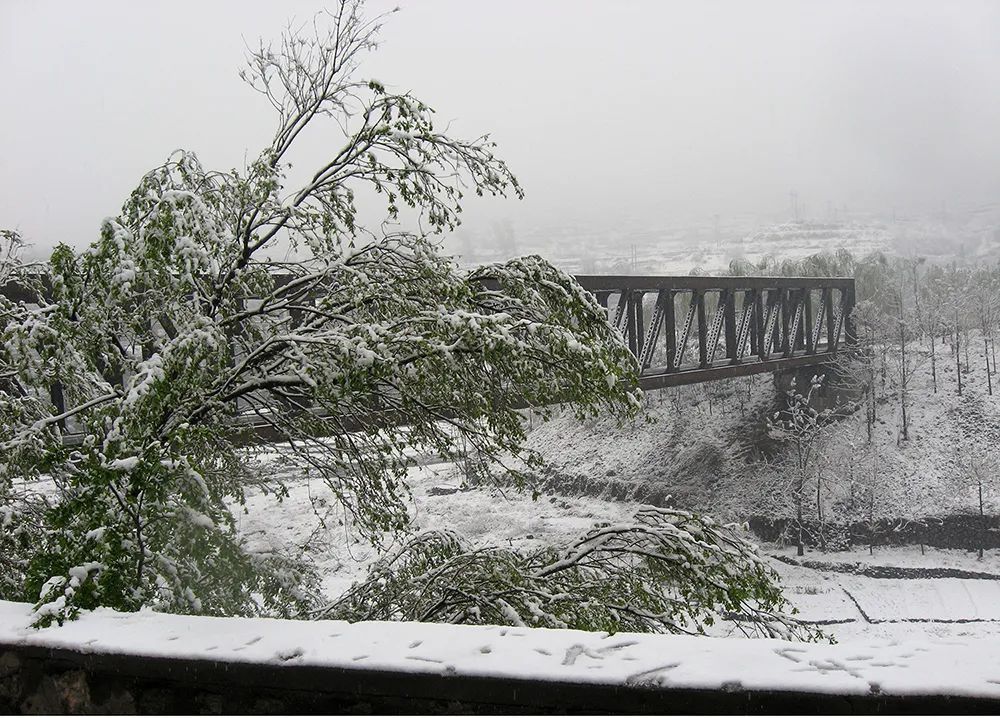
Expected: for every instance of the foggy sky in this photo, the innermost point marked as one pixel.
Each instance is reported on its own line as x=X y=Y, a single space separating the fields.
x=660 y=112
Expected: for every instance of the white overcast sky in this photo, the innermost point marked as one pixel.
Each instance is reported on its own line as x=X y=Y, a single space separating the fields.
x=658 y=111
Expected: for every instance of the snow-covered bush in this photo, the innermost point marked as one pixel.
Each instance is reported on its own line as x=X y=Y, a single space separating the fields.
x=801 y=428
x=666 y=571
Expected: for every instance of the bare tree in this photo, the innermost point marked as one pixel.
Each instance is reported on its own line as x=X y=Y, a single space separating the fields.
x=983 y=470
x=801 y=428
x=987 y=308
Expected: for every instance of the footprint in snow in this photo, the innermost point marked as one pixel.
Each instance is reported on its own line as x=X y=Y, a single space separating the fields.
x=577 y=650
x=788 y=654
x=290 y=654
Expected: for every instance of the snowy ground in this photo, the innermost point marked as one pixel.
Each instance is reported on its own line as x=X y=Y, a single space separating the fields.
x=896 y=636
x=852 y=607
x=849 y=606
x=906 y=557
x=686 y=441
x=310 y=517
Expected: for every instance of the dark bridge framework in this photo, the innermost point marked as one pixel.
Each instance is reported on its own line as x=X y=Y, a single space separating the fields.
x=707 y=328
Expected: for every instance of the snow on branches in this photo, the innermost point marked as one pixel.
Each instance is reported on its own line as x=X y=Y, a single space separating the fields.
x=666 y=571
x=176 y=326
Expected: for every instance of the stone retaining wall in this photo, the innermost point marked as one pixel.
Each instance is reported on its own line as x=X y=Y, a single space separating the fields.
x=961 y=531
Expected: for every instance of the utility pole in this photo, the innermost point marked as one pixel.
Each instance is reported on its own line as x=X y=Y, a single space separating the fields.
x=958 y=362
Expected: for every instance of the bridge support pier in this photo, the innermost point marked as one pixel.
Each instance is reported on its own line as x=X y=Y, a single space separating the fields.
x=835 y=391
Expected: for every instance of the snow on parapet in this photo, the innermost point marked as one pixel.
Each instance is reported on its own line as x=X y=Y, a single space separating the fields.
x=923 y=667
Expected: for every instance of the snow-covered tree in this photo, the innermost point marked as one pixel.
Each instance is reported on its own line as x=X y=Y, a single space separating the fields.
x=987 y=309
x=801 y=428
x=178 y=324
x=977 y=470
x=862 y=364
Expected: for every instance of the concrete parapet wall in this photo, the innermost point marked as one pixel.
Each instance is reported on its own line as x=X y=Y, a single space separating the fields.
x=47 y=680
x=147 y=662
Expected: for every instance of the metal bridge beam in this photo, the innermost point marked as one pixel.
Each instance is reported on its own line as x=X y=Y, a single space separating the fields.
x=766 y=324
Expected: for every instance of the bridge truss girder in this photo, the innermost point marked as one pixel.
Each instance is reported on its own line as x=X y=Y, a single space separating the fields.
x=707 y=328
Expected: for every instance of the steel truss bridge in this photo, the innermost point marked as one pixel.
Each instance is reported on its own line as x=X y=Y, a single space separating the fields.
x=686 y=330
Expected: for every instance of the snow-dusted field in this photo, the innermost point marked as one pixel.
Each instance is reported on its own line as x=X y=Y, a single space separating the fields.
x=848 y=606
x=311 y=518
x=851 y=607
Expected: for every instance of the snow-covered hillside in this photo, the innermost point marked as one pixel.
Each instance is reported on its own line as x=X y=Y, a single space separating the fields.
x=631 y=246
x=701 y=446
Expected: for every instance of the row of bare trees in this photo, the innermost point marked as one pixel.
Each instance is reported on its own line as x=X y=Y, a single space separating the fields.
x=914 y=318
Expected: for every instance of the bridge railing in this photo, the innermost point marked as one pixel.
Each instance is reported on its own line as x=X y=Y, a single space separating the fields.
x=689 y=329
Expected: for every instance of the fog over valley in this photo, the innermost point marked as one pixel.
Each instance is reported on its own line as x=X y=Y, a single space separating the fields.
x=674 y=132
